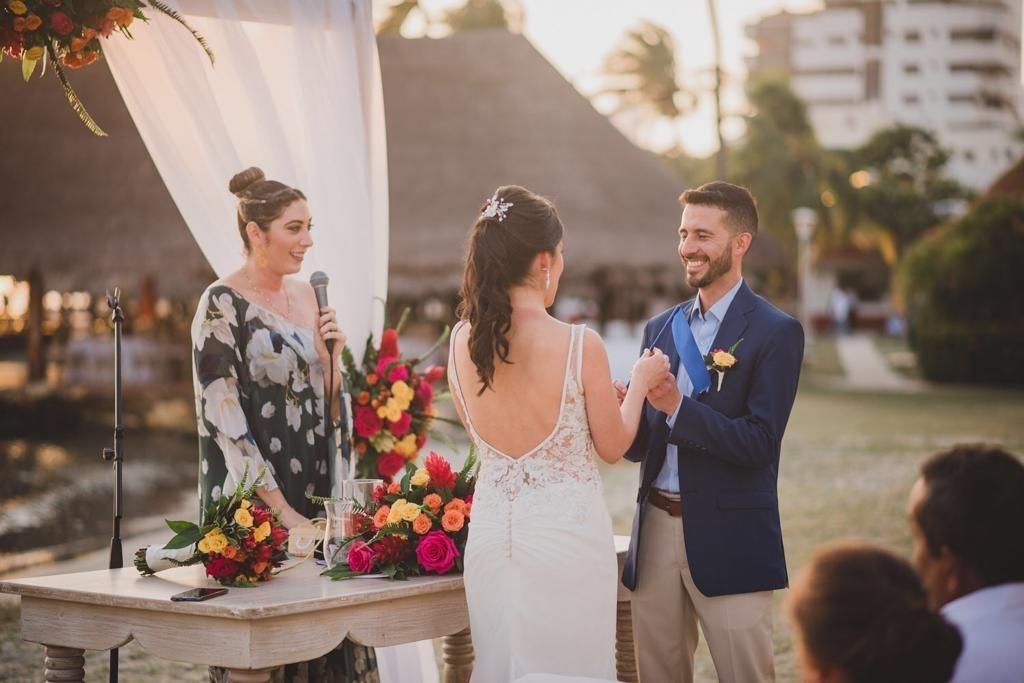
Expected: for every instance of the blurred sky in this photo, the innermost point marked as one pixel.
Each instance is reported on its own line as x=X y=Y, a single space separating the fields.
x=575 y=35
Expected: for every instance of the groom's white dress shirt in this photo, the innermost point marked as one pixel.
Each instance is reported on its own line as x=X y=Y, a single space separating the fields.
x=991 y=622
x=705 y=328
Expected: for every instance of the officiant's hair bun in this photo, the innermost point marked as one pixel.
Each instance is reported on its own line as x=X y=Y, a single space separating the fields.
x=514 y=226
x=260 y=201
x=864 y=611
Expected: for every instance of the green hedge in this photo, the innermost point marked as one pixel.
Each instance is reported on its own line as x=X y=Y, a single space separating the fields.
x=964 y=288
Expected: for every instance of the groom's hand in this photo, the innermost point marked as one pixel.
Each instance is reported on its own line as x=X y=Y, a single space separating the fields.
x=665 y=396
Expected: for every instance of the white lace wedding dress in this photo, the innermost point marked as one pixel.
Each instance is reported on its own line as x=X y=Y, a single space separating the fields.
x=540 y=569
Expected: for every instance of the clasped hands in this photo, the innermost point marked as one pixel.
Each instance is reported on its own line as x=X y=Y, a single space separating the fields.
x=653 y=371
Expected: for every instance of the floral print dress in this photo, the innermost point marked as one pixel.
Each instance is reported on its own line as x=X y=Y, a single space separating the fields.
x=259 y=390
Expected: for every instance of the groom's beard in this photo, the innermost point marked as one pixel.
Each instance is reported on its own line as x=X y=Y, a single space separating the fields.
x=716 y=269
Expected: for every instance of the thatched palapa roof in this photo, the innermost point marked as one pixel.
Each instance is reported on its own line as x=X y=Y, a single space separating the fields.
x=464 y=114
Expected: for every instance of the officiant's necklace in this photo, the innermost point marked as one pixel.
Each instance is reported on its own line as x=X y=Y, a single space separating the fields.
x=263 y=295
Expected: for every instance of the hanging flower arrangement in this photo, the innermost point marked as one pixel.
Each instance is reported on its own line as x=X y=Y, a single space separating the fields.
x=66 y=33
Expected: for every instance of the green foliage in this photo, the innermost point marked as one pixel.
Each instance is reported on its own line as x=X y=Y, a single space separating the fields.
x=961 y=285
x=642 y=73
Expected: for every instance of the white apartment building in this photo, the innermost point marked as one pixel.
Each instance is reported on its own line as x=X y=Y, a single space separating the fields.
x=952 y=67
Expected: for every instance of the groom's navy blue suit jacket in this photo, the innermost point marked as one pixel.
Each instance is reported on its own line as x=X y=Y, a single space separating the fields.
x=728 y=445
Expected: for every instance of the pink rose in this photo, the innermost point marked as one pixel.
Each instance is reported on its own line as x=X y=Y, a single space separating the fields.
x=389 y=464
x=434 y=373
x=61 y=23
x=401 y=428
x=425 y=393
x=399 y=373
x=360 y=557
x=367 y=422
x=383 y=362
x=436 y=552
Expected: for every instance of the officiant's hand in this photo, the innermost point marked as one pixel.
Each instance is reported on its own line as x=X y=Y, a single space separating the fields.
x=329 y=329
x=665 y=395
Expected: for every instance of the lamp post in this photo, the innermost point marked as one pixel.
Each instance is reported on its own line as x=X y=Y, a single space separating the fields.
x=804 y=221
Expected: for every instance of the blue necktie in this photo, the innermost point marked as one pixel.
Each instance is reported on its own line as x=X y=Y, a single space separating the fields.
x=689 y=354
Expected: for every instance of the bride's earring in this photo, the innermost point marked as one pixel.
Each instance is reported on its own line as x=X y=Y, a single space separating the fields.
x=547 y=280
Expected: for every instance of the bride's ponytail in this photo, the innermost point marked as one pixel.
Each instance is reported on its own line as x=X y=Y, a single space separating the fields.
x=513 y=227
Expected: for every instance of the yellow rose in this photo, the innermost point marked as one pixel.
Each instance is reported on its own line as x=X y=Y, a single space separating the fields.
x=203 y=546
x=407 y=446
x=243 y=518
x=34 y=53
x=421 y=478
x=396 y=510
x=218 y=543
x=723 y=359
x=402 y=391
x=246 y=504
x=17 y=6
x=410 y=511
x=261 y=532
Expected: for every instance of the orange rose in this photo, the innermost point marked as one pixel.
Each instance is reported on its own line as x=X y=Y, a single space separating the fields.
x=456 y=504
x=229 y=552
x=421 y=524
x=121 y=15
x=259 y=567
x=363 y=398
x=361 y=447
x=381 y=517
x=453 y=520
x=20 y=24
x=393 y=487
x=32 y=22
x=371 y=379
x=433 y=501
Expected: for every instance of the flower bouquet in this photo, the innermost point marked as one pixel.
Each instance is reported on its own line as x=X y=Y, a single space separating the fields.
x=240 y=542
x=418 y=526
x=392 y=404
x=66 y=33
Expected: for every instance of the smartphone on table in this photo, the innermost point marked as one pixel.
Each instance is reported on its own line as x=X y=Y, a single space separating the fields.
x=198 y=594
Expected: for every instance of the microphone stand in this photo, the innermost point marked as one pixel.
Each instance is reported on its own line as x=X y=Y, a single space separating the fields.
x=116 y=454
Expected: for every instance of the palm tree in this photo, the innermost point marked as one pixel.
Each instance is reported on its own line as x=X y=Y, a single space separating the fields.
x=721 y=167
x=641 y=73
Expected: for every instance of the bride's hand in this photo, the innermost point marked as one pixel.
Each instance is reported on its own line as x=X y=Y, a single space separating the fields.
x=329 y=329
x=650 y=369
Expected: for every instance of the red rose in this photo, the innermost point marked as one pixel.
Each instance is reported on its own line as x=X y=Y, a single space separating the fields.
x=279 y=536
x=401 y=428
x=61 y=24
x=434 y=373
x=436 y=552
x=11 y=42
x=425 y=393
x=367 y=422
x=420 y=440
x=399 y=373
x=389 y=342
x=389 y=464
x=360 y=557
x=383 y=362
x=263 y=552
x=222 y=568
x=441 y=475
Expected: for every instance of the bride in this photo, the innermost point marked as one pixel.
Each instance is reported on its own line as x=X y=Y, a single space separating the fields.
x=536 y=398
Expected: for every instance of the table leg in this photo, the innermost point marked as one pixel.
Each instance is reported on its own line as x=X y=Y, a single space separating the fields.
x=625 y=648
x=250 y=675
x=64 y=664
x=457 y=652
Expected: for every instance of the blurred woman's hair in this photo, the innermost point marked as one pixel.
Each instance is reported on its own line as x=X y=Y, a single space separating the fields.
x=502 y=246
x=864 y=611
x=260 y=201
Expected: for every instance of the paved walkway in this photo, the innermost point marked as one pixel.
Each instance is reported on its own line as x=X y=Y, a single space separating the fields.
x=866 y=368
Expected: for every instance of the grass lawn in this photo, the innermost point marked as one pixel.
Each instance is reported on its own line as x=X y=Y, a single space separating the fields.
x=848 y=462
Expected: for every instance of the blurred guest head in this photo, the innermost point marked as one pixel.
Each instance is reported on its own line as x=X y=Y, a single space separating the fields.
x=862 y=616
x=516 y=242
x=273 y=221
x=718 y=225
x=967 y=520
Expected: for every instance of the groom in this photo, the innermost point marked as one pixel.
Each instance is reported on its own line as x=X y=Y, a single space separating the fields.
x=707 y=543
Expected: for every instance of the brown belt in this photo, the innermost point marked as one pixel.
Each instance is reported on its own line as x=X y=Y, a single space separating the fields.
x=671 y=506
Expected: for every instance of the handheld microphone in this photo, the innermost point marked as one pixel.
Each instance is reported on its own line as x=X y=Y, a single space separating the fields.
x=319 y=282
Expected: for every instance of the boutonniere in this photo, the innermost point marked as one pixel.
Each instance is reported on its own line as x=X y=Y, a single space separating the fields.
x=721 y=361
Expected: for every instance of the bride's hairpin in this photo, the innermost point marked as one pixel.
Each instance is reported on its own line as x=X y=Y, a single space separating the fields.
x=495 y=207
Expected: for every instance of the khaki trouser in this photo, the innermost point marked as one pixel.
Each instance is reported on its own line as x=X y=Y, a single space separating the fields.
x=667 y=606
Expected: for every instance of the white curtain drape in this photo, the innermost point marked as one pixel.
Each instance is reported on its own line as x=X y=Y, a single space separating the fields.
x=295 y=90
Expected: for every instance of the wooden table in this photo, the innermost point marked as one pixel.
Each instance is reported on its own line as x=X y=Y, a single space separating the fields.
x=296 y=617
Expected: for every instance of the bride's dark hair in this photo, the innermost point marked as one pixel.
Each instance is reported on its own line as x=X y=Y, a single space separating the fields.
x=502 y=247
